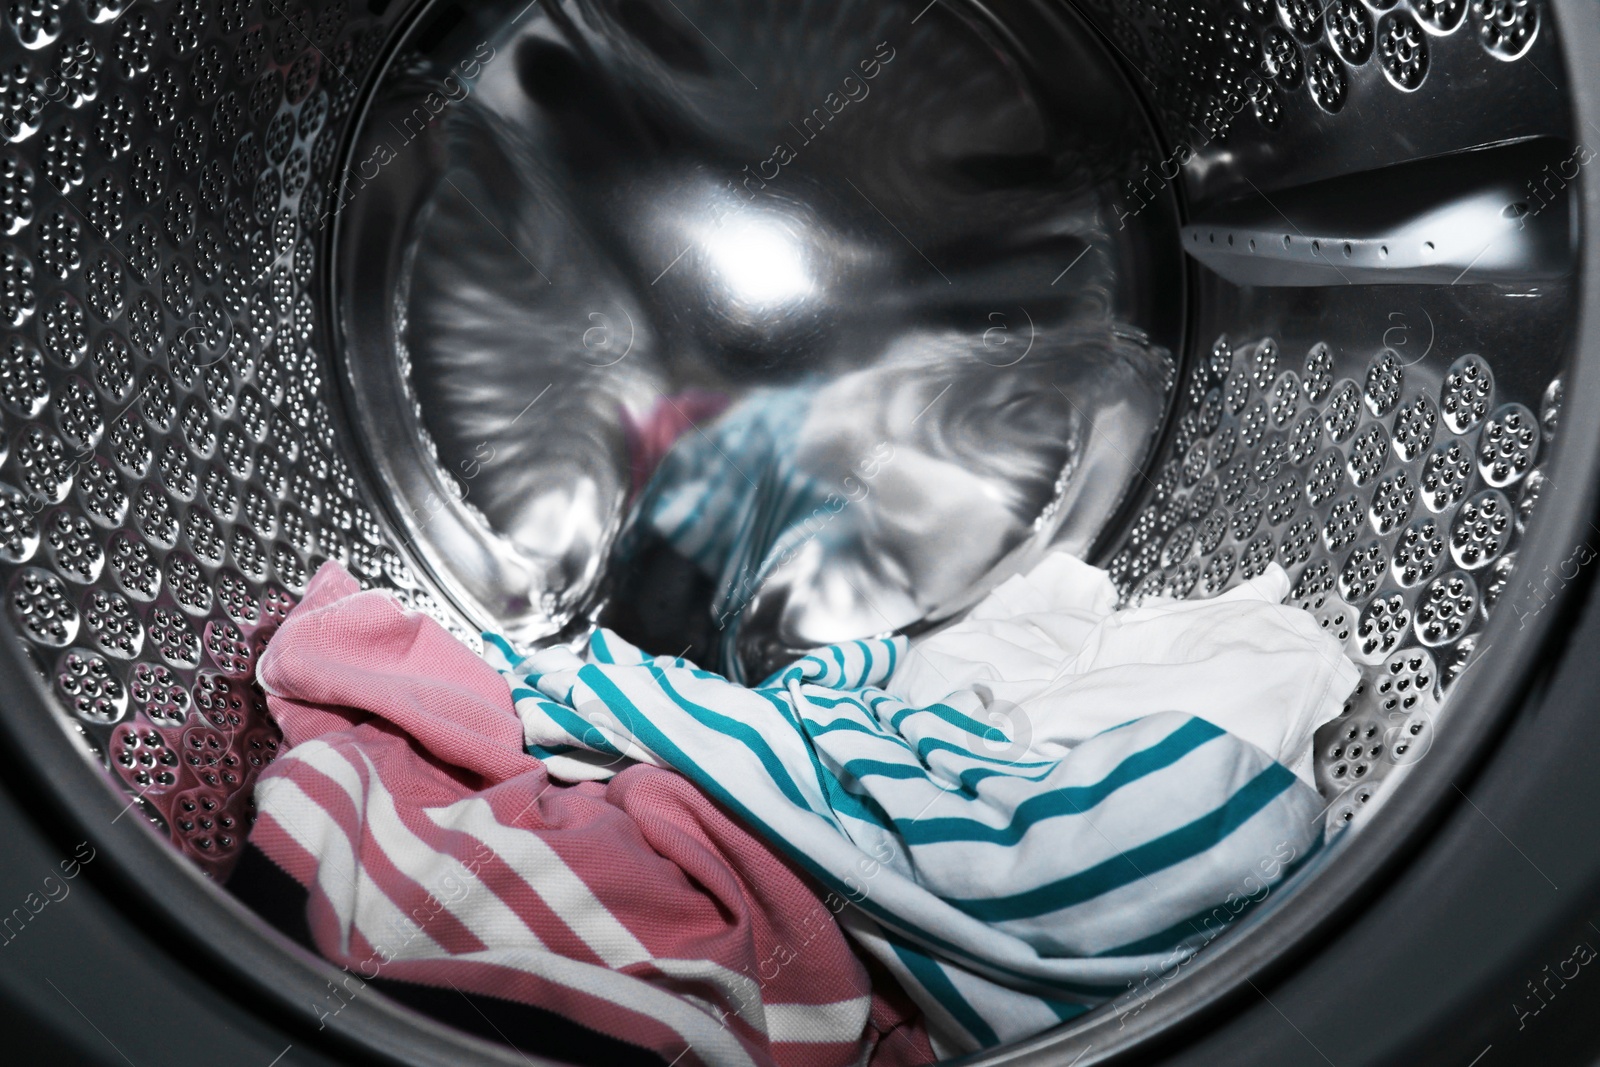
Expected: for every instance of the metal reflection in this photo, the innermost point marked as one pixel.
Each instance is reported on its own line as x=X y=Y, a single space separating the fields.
x=854 y=277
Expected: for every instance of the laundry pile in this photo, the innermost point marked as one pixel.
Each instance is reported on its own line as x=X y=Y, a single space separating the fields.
x=735 y=521
x=888 y=851
x=437 y=852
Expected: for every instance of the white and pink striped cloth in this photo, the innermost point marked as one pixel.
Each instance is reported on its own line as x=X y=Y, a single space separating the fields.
x=436 y=851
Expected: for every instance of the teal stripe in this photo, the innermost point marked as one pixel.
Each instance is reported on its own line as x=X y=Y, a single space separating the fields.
x=792 y=715
x=863 y=808
x=816 y=729
x=1166 y=851
x=657 y=742
x=725 y=510
x=866 y=665
x=922 y=748
x=872 y=768
x=713 y=555
x=946 y=713
x=972 y=776
x=931 y=977
x=586 y=733
x=840 y=798
x=727 y=726
x=511 y=654
x=1195 y=924
x=864 y=768
x=545 y=752
x=789 y=714
x=776 y=680
x=1068 y=800
x=660 y=745
x=834 y=702
x=934 y=744
x=692 y=518
x=820 y=669
x=668 y=663
x=1064 y=1010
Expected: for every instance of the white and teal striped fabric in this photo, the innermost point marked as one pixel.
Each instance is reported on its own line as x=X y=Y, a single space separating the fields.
x=733 y=501
x=1007 y=891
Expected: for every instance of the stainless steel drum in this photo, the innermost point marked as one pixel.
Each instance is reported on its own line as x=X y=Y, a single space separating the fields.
x=610 y=223
x=1184 y=286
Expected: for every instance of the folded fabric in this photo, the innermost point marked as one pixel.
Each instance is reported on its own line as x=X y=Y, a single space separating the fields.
x=1053 y=644
x=1008 y=884
x=436 y=851
x=736 y=518
x=650 y=437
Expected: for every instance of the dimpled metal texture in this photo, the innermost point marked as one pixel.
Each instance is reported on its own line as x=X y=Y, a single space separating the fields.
x=171 y=473
x=1393 y=523
x=1393 y=486
x=1200 y=56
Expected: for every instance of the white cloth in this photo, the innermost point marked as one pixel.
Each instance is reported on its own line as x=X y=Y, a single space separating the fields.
x=1049 y=650
x=1058 y=801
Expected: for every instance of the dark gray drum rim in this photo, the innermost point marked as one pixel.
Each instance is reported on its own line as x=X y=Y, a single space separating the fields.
x=238 y=947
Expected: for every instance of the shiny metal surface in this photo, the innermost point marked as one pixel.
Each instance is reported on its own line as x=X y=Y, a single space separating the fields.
x=1501 y=213
x=174 y=466
x=1390 y=460
x=171 y=470
x=1259 y=95
x=204 y=397
x=905 y=222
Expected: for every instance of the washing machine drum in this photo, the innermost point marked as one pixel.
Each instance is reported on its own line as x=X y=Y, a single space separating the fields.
x=921 y=291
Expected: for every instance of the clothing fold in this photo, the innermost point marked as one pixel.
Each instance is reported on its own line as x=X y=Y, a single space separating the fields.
x=1014 y=861
x=436 y=851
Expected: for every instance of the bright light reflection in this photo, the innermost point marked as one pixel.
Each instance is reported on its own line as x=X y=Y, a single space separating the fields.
x=758 y=260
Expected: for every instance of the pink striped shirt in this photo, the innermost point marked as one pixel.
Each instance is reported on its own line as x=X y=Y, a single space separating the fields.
x=436 y=851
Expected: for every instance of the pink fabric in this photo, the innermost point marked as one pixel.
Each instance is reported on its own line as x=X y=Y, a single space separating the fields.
x=652 y=437
x=437 y=851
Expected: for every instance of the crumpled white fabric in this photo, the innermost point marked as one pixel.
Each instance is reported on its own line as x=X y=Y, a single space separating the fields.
x=1049 y=653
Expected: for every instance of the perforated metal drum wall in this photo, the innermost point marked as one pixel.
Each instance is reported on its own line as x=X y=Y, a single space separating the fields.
x=174 y=469
x=171 y=471
x=1381 y=442
x=1377 y=457
x=1272 y=92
